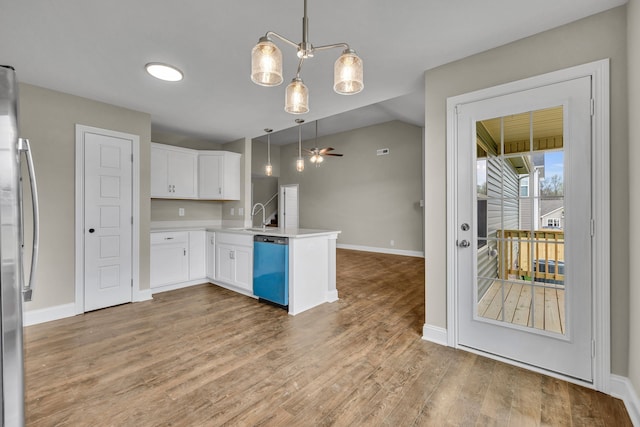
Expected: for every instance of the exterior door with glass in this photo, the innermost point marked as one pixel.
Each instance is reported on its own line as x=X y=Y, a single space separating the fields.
x=523 y=227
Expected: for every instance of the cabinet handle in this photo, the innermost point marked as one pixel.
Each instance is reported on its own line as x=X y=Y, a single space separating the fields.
x=185 y=252
x=219 y=190
x=169 y=188
x=232 y=255
x=168 y=238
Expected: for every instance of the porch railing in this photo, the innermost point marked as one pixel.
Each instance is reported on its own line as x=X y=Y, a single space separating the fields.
x=531 y=254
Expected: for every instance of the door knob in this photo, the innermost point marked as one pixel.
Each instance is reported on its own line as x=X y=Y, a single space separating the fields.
x=464 y=243
x=464 y=227
x=91 y=230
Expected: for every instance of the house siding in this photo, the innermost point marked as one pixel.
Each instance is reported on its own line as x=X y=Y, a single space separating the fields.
x=502 y=213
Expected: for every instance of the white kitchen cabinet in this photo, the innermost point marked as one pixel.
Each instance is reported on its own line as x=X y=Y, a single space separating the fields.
x=219 y=175
x=211 y=254
x=169 y=258
x=174 y=172
x=234 y=260
x=197 y=259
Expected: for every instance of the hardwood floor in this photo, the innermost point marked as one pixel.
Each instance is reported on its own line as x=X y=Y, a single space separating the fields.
x=205 y=356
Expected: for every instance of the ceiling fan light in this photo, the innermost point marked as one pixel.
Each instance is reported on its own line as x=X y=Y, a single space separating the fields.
x=319 y=159
x=348 y=73
x=296 y=97
x=266 y=63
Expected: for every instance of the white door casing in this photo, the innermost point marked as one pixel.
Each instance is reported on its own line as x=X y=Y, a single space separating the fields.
x=597 y=265
x=107 y=224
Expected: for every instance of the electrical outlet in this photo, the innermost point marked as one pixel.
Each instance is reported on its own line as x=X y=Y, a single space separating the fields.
x=181 y=212
x=233 y=211
x=392 y=243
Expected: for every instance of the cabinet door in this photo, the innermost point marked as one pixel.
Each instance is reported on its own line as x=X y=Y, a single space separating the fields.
x=224 y=263
x=169 y=264
x=197 y=260
x=159 y=183
x=211 y=255
x=210 y=176
x=231 y=179
x=243 y=268
x=182 y=172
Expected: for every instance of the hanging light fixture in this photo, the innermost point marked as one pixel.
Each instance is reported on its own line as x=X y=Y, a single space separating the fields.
x=266 y=67
x=316 y=158
x=268 y=170
x=300 y=160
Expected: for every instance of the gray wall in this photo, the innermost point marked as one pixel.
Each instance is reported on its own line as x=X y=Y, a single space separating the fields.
x=593 y=38
x=633 y=48
x=372 y=199
x=194 y=210
x=48 y=119
x=263 y=189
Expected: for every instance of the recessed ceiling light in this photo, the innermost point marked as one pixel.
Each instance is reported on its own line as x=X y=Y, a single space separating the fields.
x=164 y=72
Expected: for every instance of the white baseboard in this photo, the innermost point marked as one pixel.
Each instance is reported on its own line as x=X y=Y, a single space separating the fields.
x=434 y=334
x=622 y=388
x=142 y=295
x=33 y=317
x=181 y=285
x=332 y=296
x=419 y=254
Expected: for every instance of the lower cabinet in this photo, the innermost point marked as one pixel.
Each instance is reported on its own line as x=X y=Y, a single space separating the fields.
x=169 y=258
x=177 y=257
x=211 y=255
x=234 y=260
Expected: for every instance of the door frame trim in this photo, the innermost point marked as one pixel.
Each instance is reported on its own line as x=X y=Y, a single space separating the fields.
x=599 y=72
x=136 y=294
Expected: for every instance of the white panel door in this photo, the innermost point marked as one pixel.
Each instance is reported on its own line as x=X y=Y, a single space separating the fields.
x=289 y=211
x=108 y=221
x=523 y=227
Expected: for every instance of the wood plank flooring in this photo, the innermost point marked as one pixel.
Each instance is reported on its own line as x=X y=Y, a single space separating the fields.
x=513 y=300
x=205 y=356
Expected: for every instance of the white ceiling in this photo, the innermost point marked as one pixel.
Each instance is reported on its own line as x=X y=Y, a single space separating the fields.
x=98 y=49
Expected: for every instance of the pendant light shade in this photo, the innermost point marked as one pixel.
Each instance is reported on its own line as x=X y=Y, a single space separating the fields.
x=347 y=73
x=266 y=63
x=297 y=97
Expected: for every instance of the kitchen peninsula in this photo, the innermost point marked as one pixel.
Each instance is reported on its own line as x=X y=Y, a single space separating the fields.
x=186 y=256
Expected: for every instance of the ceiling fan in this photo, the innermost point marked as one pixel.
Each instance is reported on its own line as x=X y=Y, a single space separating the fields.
x=317 y=154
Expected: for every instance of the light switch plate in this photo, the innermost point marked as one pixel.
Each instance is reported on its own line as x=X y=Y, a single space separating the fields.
x=240 y=211
x=233 y=211
x=181 y=212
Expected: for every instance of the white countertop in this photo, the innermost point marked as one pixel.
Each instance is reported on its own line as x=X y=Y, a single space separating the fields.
x=267 y=231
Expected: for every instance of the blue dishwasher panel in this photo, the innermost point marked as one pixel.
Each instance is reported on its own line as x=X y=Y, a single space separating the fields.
x=271 y=269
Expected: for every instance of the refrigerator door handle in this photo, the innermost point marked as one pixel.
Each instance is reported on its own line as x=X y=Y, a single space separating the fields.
x=23 y=146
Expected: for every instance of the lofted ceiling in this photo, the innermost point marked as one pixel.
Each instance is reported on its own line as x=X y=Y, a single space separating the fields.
x=98 y=49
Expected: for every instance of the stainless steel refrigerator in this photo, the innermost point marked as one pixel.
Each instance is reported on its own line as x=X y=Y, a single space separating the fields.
x=12 y=275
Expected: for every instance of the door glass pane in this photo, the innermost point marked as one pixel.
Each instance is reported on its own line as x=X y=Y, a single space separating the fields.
x=520 y=220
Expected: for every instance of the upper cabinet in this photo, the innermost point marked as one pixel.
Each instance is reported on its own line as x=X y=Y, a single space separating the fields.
x=182 y=173
x=174 y=172
x=219 y=175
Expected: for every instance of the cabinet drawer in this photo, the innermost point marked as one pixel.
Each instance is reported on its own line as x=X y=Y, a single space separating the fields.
x=170 y=237
x=234 y=239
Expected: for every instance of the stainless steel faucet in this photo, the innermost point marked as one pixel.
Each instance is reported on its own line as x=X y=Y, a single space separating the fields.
x=253 y=212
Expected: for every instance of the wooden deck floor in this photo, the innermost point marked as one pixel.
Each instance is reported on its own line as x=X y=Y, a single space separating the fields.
x=206 y=356
x=515 y=302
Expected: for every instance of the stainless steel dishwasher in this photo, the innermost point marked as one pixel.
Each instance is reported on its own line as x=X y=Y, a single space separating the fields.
x=271 y=269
